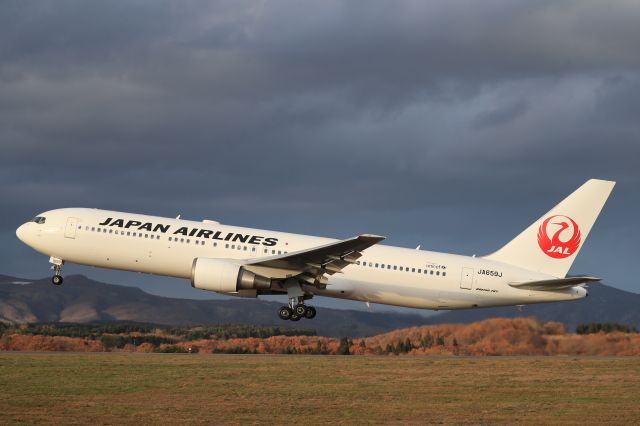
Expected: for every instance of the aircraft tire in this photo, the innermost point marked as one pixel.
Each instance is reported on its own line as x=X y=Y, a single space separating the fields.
x=310 y=312
x=300 y=310
x=285 y=313
x=57 y=279
x=295 y=317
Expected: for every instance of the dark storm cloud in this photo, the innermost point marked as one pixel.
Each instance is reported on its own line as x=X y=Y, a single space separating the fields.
x=321 y=117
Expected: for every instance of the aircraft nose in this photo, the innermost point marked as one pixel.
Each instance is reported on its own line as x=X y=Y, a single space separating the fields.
x=21 y=232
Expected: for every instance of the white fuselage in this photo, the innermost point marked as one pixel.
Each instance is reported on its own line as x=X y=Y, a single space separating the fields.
x=384 y=274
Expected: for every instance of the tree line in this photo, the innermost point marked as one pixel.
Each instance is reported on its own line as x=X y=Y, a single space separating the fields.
x=161 y=333
x=604 y=327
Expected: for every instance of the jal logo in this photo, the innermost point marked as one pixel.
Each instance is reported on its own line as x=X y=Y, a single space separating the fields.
x=559 y=236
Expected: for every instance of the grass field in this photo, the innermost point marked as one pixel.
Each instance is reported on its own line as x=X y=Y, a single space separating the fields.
x=207 y=389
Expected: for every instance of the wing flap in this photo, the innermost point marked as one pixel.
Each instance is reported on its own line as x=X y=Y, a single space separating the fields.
x=555 y=284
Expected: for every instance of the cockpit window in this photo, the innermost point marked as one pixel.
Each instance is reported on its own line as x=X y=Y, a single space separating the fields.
x=39 y=219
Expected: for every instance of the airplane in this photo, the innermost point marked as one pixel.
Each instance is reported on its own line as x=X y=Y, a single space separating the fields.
x=245 y=262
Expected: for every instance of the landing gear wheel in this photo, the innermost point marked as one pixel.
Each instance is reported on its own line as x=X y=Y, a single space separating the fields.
x=310 y=312
x=295 y=317
x=57 y=270
x=285 y=313
x=300 y=310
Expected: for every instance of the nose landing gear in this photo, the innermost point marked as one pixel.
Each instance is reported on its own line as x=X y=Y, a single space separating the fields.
x=57 y=270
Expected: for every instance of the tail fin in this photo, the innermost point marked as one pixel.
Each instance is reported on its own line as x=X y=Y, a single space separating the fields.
x=551 y=244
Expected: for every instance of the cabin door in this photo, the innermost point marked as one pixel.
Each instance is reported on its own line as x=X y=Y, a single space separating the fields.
x=70 y=229
x=466 y=281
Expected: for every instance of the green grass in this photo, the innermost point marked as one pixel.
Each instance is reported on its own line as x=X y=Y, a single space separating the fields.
x=149 y=389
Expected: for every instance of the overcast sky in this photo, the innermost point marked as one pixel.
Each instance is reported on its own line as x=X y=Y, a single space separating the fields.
x=448 y=124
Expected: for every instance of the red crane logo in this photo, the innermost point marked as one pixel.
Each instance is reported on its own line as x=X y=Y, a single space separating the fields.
x=555 y=246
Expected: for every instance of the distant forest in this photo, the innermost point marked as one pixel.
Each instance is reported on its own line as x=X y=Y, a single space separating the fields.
x=499 y=336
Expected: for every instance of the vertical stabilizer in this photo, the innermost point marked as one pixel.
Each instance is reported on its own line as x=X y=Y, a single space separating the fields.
x=551 y=244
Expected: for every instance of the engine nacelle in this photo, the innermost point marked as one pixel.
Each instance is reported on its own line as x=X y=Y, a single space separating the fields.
x=224 y=276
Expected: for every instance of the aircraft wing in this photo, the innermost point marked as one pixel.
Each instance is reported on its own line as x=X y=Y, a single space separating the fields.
x=312 y=264
x=555 y=284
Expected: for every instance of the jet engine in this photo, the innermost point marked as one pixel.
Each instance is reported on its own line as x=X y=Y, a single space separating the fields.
x=224 y=276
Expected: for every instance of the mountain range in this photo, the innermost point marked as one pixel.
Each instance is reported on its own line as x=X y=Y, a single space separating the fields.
x=81 y=300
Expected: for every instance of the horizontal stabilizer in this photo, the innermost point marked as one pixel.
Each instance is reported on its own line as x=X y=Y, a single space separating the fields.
x=557 y=284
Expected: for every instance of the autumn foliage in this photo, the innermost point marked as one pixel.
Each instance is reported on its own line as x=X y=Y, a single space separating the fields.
x=500 y=336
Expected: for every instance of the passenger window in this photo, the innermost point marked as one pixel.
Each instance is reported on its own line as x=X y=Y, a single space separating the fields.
x=215 y=244
x=253 y=249
x=401 y=268
x=376 y=265
x=226 y=246
x=182 y=240
x=93 y=228
x=358 y=262
x=431 y=272
x=413 y=269
x=419 y=271
x=437 y=272
x=395 y=267
x=444 y=274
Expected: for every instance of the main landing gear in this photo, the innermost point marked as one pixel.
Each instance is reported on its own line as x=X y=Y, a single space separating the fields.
x=57 y=270
x=296 y=309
